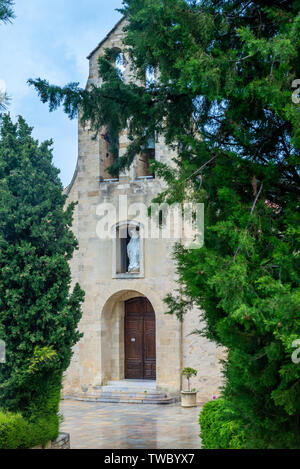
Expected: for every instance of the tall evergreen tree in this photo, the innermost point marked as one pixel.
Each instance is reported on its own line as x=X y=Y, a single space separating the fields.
x=38 y=313
x=227 y=72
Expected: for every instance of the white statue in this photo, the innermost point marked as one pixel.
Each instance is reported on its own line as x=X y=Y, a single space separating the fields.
x=133 y=250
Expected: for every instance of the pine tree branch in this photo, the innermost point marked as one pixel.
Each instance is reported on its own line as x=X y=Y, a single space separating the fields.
x=251 y=213
x=257 y=197
x=202 y=167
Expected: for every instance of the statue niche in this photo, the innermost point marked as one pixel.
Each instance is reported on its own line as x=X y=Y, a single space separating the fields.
x=127 y=251
x=133 y=250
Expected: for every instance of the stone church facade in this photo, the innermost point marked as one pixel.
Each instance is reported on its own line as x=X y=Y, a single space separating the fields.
x=127 y=333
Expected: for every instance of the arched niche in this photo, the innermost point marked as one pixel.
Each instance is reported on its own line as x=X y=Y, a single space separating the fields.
x=120 y=240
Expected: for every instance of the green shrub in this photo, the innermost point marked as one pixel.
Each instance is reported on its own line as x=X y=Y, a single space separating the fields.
x=219 y=427
x=16 y=432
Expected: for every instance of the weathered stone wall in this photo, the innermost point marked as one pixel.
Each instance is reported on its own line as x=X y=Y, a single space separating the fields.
x=202 y=355
x=99 y=356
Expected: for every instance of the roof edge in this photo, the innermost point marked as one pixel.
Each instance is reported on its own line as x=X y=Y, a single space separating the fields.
x=106 y=37
x=68 y=189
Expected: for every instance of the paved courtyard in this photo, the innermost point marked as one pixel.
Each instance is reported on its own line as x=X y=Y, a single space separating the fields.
x=130 y=426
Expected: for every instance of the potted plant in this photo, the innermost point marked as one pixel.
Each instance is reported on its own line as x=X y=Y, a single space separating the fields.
x=189 y=397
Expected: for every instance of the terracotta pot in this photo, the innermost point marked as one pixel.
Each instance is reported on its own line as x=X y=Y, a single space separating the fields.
x=189 y=398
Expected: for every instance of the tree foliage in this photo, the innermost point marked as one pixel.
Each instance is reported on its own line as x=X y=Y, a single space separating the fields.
x=6 y=10
x=223 y=98
x=38 y=313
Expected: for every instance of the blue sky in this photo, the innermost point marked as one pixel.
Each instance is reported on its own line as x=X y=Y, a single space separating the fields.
x=51 y=39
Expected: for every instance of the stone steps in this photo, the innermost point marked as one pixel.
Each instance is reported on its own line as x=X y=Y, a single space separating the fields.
x=126 y=390
x=126 y=399
x=129 y=392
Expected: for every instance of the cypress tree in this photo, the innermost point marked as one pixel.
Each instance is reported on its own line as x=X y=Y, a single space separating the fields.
x=39 y=313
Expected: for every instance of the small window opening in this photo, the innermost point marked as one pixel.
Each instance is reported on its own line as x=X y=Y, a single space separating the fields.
x=120 y=65
x=150 y=78
x=109 y=153
x=145 y=159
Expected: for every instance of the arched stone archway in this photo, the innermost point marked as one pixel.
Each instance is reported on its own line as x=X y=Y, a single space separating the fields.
x=113 y=334
x=100 y=356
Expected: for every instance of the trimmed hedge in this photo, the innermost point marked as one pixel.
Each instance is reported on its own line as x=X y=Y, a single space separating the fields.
x=16 y=432
x=219 y=428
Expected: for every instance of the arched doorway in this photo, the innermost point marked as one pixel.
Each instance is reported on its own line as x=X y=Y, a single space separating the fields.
x=140 y=339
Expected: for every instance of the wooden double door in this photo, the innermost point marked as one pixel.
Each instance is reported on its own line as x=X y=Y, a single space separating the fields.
x=140 y=340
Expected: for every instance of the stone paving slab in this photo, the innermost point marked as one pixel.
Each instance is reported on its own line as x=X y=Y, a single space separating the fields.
x=95 y=425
